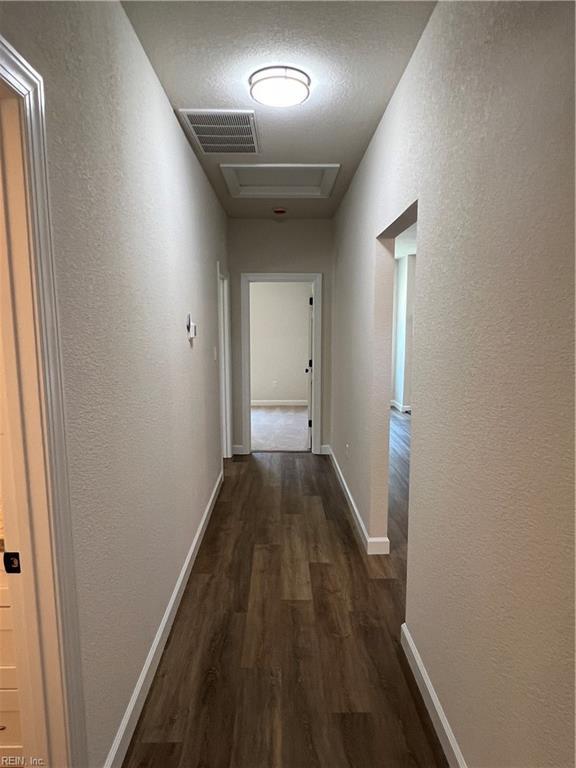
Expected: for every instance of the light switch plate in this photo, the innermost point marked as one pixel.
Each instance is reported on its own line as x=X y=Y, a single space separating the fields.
x=191 y=327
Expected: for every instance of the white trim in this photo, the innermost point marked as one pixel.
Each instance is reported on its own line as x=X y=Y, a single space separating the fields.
x=374 y=545
x=315 y=278
x=239 y=450
x=399 y=407
x=438 y=716
x=325 y=450
x=224 y=361
x=278 y=403
x=133 y=710
x=29 y=86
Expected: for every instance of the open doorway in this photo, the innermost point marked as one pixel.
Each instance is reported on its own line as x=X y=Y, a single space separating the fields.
x=401 y=402
x=281 y=366
x=281 y=361
x=402 y=342
x=224 y=354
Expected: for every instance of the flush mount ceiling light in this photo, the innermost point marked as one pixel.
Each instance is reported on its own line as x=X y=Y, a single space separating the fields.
x=279 y=86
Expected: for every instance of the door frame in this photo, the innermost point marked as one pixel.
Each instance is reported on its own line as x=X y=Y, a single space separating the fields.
x=315 y=279
x=57 y=618
x=225 y=362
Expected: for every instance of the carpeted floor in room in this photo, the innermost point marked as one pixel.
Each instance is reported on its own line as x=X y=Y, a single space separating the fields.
x=280 y=428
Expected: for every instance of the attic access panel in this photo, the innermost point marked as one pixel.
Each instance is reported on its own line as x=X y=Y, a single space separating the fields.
x=280 y=180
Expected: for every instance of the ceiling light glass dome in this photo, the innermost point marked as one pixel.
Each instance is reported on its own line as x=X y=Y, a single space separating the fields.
x=279 y=86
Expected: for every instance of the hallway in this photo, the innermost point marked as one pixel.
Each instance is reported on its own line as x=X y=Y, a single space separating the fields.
x=234 y=235
x=285 y=648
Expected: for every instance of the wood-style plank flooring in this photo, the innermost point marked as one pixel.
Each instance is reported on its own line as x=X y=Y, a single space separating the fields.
x=285 y=650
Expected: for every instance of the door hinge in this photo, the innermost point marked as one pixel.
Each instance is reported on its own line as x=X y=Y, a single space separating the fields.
x=310 y=423
x=309 y=363
x=311 y=300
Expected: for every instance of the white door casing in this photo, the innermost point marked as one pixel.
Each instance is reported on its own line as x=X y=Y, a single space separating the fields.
x=38 y=524
x=315 y=279
x=225 y=362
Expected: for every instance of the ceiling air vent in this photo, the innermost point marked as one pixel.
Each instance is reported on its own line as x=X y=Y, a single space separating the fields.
x=221 y=131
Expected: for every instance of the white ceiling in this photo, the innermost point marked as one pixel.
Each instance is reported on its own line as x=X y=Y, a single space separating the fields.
x=355 y=53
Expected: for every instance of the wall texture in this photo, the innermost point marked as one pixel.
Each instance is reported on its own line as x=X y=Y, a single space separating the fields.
x=481 y=132
x=279 y=341
x=137 y=232
x=259 y=245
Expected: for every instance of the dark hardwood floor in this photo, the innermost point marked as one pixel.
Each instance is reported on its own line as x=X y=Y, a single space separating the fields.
x=285 y=651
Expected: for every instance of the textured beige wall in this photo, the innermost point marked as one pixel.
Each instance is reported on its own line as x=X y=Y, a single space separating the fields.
x=137 y=232
x=279 y=341
x=481 y=131
x=261 y=245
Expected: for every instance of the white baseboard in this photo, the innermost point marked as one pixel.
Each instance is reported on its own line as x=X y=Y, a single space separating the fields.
x=272 y=403
x=128 y=724
x=326 y=450
x=399 y=407
x=437 y=715
x=374 y=545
